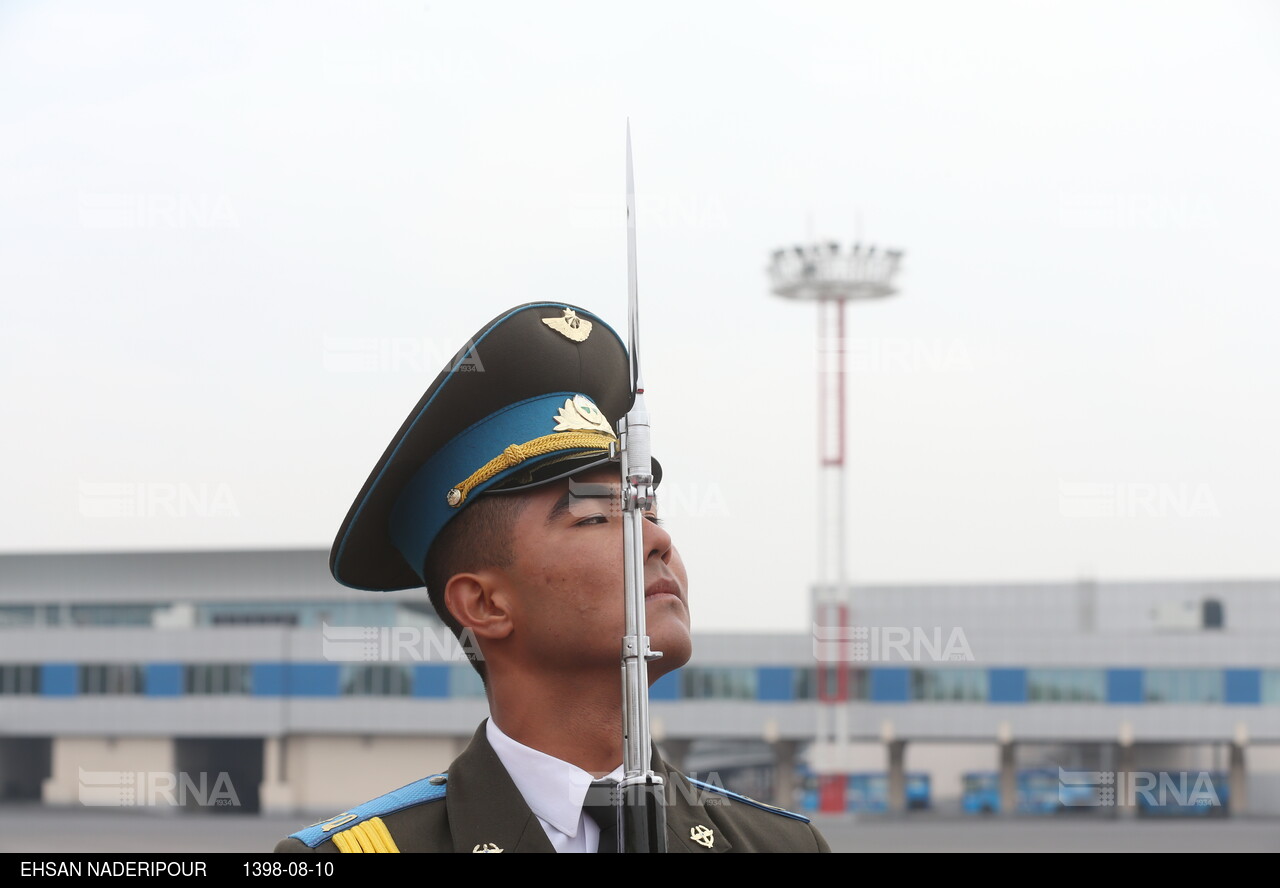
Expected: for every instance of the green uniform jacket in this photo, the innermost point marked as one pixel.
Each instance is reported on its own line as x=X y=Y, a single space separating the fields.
x=476 y=807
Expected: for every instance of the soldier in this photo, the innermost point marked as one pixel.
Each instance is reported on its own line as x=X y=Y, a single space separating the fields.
x=479 y=497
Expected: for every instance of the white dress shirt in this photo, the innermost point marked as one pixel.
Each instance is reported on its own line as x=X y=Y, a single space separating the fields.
x=553 y=789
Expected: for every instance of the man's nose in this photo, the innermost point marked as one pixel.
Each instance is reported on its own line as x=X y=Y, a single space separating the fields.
x=657 y=541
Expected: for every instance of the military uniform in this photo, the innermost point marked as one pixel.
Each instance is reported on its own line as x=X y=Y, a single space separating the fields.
x=530 y=400
x=475 y=807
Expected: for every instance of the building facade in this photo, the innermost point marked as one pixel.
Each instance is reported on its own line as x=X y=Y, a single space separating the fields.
x=302 y=695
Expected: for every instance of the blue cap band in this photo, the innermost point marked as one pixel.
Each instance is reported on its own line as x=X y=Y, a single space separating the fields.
x=423 y=510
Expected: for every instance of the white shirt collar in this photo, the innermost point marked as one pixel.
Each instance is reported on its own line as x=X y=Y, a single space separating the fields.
x=553 y=789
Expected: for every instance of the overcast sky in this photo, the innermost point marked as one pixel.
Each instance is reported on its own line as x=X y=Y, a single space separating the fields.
x=238 y=240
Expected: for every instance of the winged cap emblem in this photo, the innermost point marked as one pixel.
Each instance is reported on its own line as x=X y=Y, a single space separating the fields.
x=570 y=326
x=579 y=413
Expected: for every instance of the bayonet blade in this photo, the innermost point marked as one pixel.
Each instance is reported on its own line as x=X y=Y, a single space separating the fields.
x=643 y=817
x=633 y=288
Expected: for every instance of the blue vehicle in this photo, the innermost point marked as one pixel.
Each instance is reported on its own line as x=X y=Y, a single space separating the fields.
x=919 y=792
x=807 y=786
x=869 y=792
x=1039 y=791
x=980 y=793
x=1181 y=793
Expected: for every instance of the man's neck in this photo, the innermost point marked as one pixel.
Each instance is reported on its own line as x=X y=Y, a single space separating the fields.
x=580 y=724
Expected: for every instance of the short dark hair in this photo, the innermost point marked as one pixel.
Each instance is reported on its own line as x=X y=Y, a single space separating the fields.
x=477 y=538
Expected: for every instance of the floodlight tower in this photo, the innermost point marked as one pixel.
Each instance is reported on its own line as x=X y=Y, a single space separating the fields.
x=832 y=276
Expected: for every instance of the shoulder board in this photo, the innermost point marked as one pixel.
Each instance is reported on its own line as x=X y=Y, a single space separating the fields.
x=428 y=789
x=752 y=802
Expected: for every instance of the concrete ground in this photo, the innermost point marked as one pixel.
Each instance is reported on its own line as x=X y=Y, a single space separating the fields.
x=29 y=829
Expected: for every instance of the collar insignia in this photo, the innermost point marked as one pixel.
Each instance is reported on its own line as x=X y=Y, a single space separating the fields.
x=703 y=836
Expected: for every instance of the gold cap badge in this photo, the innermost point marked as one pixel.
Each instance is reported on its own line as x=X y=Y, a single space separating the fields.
x=579 y=413
x=570 y=326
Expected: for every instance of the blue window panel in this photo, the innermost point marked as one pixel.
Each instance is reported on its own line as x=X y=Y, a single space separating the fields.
x=313 y=679
x=666 y=688
x=1007 y=685
x=431 y=680
x=890 y=685
x=1243 y=686
x=59 y=680
x=162 y=679
x=268 y=679
x=1124 y=685
x=775 y=683
x=296 y=679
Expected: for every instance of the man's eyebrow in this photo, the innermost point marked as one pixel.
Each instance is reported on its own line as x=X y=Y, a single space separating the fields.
x=579 y=491
x=560 y=508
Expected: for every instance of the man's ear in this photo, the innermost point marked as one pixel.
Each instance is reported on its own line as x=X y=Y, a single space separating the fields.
x=478 y=602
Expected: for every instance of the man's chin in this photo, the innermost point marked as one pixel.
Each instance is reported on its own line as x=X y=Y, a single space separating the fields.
x=676 y=647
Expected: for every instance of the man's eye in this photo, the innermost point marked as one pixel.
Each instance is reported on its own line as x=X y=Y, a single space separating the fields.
x=593 y=519
x=655 y=519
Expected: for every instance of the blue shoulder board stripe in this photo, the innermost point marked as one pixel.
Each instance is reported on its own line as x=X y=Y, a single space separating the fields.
x=752 y=802
x=397 y=800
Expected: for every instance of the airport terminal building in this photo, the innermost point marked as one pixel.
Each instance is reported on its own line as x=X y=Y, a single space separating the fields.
x=306 y=696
